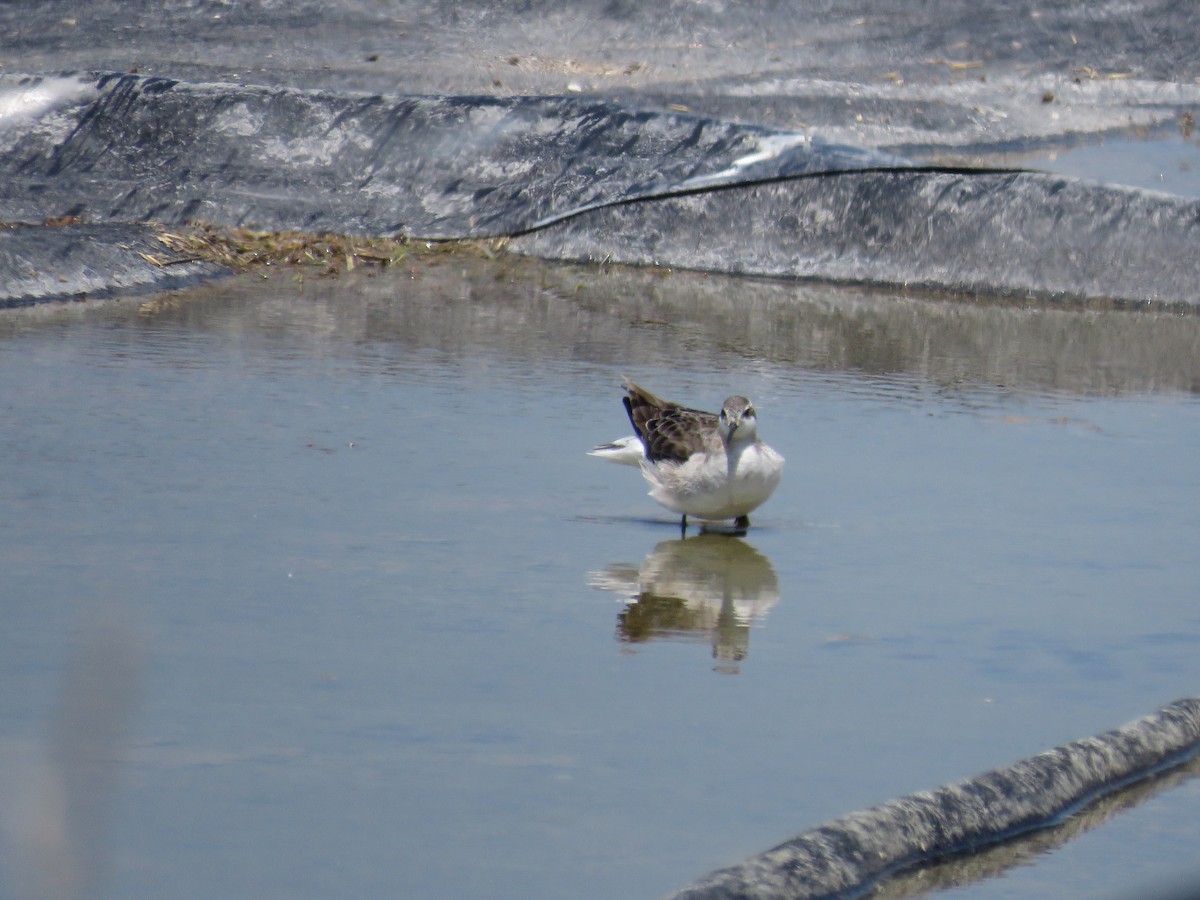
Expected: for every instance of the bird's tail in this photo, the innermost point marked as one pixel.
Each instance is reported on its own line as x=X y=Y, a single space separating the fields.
x=628 y=451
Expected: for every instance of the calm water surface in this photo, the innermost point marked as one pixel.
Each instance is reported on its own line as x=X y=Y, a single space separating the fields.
x=334 y=558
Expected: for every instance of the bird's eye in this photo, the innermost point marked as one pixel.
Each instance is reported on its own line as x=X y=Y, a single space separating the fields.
x=749 y=412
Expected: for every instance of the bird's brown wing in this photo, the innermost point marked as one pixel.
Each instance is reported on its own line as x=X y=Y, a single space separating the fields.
x=668 y=431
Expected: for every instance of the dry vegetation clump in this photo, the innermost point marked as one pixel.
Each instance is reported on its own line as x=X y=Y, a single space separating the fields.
x=243 y=248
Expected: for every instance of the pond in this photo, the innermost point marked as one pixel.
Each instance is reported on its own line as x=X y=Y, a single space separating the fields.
x=329 y=562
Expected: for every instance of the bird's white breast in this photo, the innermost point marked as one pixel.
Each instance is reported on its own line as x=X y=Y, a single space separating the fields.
x=716 y=485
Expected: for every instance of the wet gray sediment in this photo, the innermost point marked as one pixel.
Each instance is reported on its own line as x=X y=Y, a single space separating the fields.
x=847 y=856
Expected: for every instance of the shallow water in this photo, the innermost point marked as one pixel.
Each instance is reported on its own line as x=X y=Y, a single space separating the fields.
x=379 y=607
x=1159 y=161
x=1164 y=158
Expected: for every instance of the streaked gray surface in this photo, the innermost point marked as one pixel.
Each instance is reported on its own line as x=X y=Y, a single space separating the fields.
x=129 y=148
x=877 y=73
x=570 y=178
x=355 y=533
x=93 y=261
x=483 y=120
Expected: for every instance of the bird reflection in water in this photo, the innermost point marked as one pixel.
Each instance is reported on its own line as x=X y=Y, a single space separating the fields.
x=708 y=587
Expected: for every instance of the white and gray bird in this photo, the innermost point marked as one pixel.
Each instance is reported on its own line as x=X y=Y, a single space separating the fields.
x=697 y=463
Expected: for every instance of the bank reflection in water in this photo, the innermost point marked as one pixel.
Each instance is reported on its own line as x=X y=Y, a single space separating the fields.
x=710 y=587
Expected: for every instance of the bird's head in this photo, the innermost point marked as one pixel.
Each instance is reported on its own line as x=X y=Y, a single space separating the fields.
x=737 y=422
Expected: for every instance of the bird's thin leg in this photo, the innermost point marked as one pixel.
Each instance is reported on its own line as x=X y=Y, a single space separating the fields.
x=741 y=522
x=683 y=525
